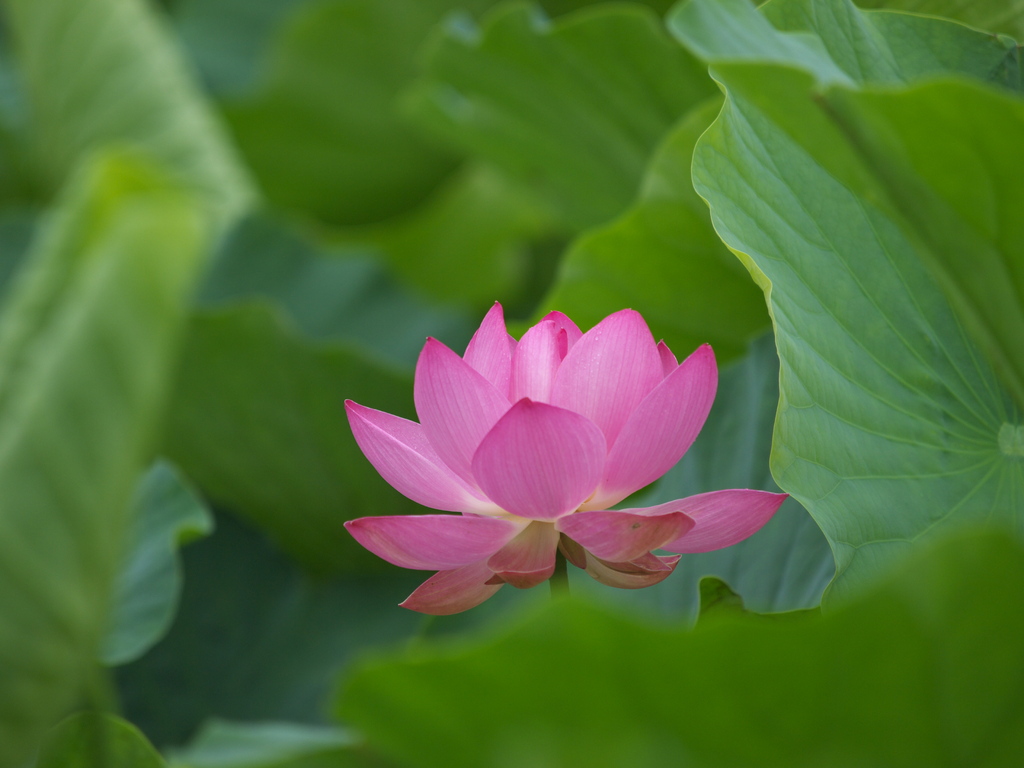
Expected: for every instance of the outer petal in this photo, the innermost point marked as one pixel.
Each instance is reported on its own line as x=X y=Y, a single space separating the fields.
x=456 y=405
x=529 y=558
x=632 y=575
x=568 y=331
x=668 y=360
x=433 y=542
x=489 y=351
x=535 y=363
x=400 y=451
x=723 y=518
x=661 y=429
x=540 y=461
x=609 y=371
x=454 y=591
x=623 y=536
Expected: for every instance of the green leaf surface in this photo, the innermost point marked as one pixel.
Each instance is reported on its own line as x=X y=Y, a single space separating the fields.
x=664 y=259
x=964 y=209
x=889 y=420
x=167 y=514
x=1005 y=16
x=323 y=133
x=107 y=72
x=87 y=342
x=925 y=670
x=224 y=744
x=95 y=740
x=783 y=567
x=573 y=106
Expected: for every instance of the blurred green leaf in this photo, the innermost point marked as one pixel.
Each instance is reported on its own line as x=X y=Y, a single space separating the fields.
x=889 y=420
x=467 y=245
x=966 y=204
x=230 y=40
x=258 y=422
x=1006 y=16
x=167 y=514
x=87 y=343
x=323 y=134
x=925 y=670
x=329 y=292
x=222 y=744
x=107 y=72
x=663 y=258
x=783 y=567
x=287 y=334
x=257 y=639
x=574 y=107
x=94 y=740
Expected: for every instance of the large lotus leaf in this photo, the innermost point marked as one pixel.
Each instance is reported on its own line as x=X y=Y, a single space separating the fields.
x=106 y=72
x=925 y=670
x=323 y=133
x=575 y=106
x=663 y=258
x=1005 y=16
x=890 y=420
x=87 y=343
x=96 y=740
x=964 y=208
x=167 y=514
x=787 y=564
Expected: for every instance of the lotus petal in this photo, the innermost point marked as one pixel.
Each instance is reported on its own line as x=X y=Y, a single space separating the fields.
x=535 y=363
x=433 y=542
x=622 y=536
x=660 y=429
x=539 y=461
x=629 y=575
x=490 y=350
x=456 y=405
x=401 y=453
x=569 y=332
x=723 y=518
x=448 y=592
x=609 y=371
x=668 y=360
x=529 y=558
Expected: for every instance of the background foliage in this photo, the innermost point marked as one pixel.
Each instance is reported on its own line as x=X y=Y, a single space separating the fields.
x=221 y=218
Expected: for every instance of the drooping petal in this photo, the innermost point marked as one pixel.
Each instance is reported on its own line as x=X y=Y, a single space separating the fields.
x=400 y=451
x=448 y=592
x=723 y=518
x=529 y=558
x=433 y=542
x=535 y=363
x=456 y=405
x=490 y=352
x=623 y=536
x=609 y=371
x=660 y=430
x=573 y=552
x=632 y=575
x=569 y=331
x=668 y=360
x=539 y=461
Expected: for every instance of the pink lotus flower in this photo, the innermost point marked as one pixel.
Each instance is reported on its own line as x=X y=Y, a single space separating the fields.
x=533 y=442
